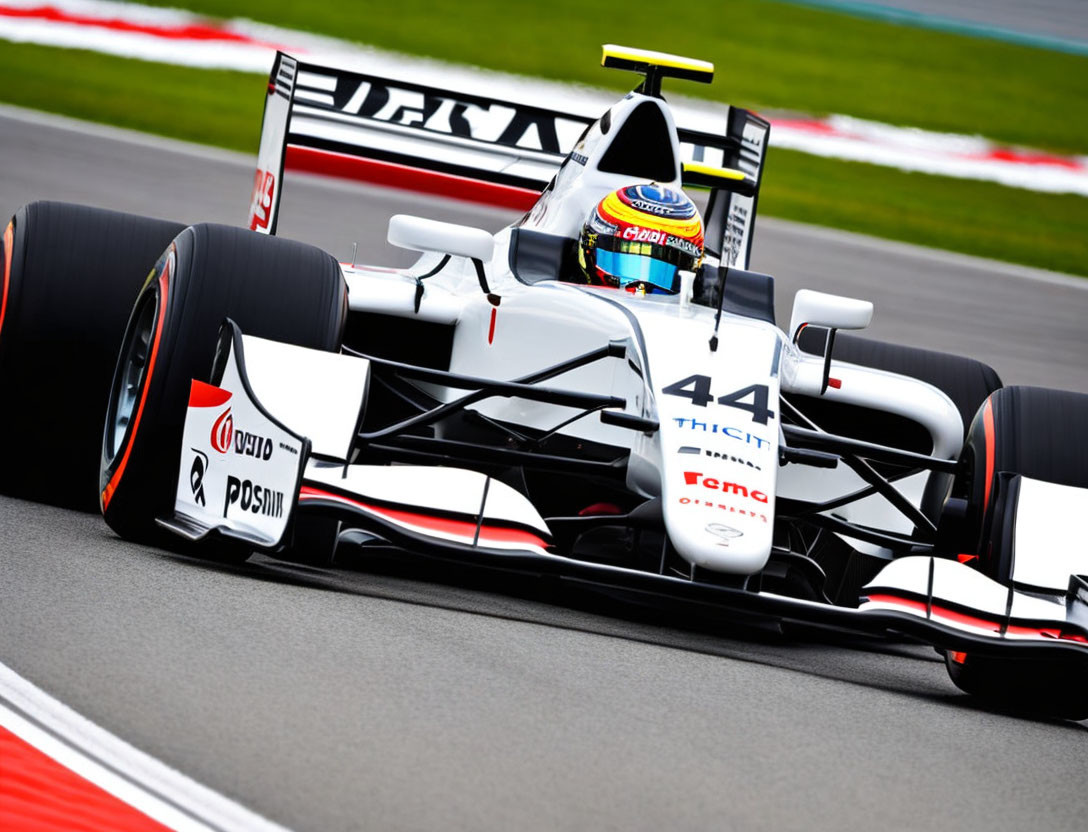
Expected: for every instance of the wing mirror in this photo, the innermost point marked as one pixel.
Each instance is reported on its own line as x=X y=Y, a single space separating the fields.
x=832 y=312
x=419 y=234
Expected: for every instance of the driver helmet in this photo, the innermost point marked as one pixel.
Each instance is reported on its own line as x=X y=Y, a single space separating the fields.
x=639 y=238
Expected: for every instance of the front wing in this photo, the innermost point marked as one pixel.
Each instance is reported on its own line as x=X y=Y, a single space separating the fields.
x=246 y=475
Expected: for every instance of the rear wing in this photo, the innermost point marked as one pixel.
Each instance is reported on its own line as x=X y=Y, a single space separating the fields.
x=466 y=145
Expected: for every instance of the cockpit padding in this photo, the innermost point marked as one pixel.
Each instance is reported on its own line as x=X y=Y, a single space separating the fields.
x=750 y=294
x=537 y=256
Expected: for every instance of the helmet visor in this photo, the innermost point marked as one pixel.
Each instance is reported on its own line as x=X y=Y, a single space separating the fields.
x=633 y=262
x=638 y=268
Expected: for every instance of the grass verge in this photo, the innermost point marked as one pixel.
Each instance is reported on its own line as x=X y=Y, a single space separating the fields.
x=768 y=55
x=224 y=109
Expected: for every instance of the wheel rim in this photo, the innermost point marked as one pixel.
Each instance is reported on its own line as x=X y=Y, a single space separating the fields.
x=131 y=374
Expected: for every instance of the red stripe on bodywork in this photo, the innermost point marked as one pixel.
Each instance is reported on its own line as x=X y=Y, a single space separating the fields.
x=38 y=794
x=960 y=618
x=394 y=175
x=207 y=395
x=115 y=480
x=187 y=31
x=988 y=432
x=9 y=241
x=1013 y=629
x=461 y=528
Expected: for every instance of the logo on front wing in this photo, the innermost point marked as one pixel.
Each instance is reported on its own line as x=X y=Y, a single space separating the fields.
x=224 y=436
x=196 y=476
x=250 y=444
x=253 y=498
x=223 y=431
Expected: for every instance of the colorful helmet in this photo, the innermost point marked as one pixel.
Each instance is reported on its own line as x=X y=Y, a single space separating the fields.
x=640 y=237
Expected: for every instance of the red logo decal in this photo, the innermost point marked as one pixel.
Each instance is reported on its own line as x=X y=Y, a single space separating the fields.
x=693 y=477
x=260 y=206
x=223 y=431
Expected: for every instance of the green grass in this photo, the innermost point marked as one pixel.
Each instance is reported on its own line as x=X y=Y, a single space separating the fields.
x=211 y=107
x=224 y=108
x=1047 y=231
x=768 y=55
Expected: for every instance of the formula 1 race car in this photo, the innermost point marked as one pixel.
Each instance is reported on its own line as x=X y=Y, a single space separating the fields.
x=656 y=434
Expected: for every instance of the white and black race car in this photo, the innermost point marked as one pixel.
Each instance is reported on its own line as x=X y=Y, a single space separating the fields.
x=486 y=406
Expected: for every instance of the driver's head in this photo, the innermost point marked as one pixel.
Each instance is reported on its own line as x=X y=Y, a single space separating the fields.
x=641 y=236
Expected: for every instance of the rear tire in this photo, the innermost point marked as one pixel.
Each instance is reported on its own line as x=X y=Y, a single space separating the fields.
x=272 y=288
x=70 y=276
x=965 y=381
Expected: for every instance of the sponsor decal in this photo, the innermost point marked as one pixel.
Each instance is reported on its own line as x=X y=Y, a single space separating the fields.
x=692 y=449
x=714 y=504
x=722 y=430
x=753 y=135
x=658 y=208
x=736 y=228
x=252 y=498
x=644 y=235
x=250 y=444
x=260 y=204
x=439 y=111
x=224 y=437
x=285 y=447
x=652 y=235
x=714 y=484
x=223 y=432
x=196 y=476
x=724 y=533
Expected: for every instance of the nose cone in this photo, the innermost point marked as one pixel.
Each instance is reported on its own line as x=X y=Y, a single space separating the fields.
x=720 y=535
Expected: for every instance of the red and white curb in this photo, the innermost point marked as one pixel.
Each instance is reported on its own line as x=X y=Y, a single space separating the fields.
x=178 y=37
x=60 y=771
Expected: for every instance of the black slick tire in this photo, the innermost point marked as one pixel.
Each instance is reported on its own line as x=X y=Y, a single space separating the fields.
x=271 y=287
x=70 y=276
x=1040 y=687
x=1032 y=431
x=1038 y=433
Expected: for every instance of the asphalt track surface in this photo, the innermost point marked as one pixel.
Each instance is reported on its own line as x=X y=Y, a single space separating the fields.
x=1058 y=18
x=367 y=699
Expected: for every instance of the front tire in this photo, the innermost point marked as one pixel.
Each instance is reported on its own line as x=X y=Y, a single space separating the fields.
x=1036 y=433
x=272 y=288
x=1047 y=688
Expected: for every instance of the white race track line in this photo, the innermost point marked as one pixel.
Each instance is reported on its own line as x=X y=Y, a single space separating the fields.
x=816 y=233
x=113 y=765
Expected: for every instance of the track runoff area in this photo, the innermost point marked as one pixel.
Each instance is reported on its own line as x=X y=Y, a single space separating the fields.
x=59 y=771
